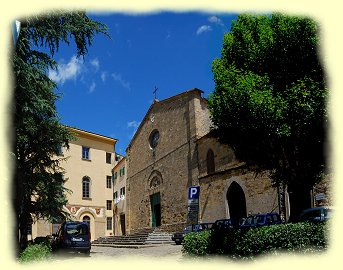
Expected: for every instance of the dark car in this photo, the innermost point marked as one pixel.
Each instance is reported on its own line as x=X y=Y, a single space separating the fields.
x=73 y=236
x=178 y=236
x=261 y=220
x=226 y=224
x=314 y=214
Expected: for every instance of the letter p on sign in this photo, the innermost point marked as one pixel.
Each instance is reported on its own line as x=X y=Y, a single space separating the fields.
x=193 y=192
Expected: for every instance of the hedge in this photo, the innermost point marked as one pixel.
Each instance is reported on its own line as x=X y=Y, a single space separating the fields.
x=252 y=242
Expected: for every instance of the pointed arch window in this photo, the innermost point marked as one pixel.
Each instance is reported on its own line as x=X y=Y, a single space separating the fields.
x=86 y=187
x=210 y=162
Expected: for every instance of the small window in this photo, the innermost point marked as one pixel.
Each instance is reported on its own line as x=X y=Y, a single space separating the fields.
x=122 y=191
x=109 y=223
x=115 y=195
x=115 y=175
x=108 y=182
x=210 y=161
x=59 y=150
x=108 y=158
x=108 y=204
x=85 y=153
x=122 y=171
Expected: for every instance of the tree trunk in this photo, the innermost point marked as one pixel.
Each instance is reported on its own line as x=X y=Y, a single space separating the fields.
x=299 y=199
x=282 y=201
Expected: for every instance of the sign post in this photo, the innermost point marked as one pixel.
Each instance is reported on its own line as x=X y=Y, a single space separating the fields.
x=193 y=205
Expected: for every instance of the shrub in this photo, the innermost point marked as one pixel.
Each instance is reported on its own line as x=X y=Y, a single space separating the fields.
x=251 y=242
x=290 y=237
x=197 y=243
x=36 y=252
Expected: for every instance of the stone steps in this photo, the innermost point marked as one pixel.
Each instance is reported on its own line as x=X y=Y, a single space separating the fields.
x=158 y=237
x=141 y=238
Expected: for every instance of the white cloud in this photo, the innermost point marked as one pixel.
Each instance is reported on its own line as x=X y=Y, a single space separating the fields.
x=103 y=76
x=117 y=77
x=133 y=124
x=92 y=87
x=67 y=71
x=95 y=63
x=216 y=20
x=203 y=29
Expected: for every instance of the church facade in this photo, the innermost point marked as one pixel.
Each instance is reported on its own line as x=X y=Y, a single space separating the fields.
x=162 y=161
x=173 y=150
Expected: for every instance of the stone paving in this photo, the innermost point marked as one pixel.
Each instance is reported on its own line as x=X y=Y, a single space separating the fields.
x=160 y=251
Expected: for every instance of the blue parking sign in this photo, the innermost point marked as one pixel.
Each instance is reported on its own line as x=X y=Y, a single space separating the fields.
x=193 y=192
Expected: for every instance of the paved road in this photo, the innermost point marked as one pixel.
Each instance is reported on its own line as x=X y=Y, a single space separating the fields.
x=160 y=251
x=163 y=251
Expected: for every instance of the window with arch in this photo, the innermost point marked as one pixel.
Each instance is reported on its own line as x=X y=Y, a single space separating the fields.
x=86 y=187
x=210 y=162
x=87 y=219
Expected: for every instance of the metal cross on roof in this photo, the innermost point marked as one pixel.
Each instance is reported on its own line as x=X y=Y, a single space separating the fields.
x=155 y=92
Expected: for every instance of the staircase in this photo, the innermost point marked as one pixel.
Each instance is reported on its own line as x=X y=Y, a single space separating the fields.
x=138 y=239
x=159 y=237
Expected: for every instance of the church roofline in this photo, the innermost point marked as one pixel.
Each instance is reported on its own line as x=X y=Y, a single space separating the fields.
x=158 y=103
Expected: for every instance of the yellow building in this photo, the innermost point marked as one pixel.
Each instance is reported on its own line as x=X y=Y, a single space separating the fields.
x=88 y=170
x=119 y=186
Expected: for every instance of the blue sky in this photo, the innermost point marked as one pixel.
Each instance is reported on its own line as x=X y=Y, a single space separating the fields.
x=110 y=90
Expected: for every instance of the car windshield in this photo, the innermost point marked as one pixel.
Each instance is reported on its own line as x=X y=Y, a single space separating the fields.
x=77 y=229
x=311 y=215
x=188 y=228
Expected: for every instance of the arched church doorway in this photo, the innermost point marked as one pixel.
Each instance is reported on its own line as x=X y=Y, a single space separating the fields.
x=236 y=202
x=155 y=201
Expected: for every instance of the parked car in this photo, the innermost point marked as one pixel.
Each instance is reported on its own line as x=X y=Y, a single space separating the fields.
x=178 y=236
x=73 y=236
x=321 y=213
x=261 y=220
x=225 y=224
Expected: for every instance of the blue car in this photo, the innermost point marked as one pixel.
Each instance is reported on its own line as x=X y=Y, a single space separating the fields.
x=73 y=236
x=321 y=213
x=261 y=220
x=178 y=236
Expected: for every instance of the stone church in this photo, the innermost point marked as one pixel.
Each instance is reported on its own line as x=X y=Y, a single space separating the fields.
x=174 y=149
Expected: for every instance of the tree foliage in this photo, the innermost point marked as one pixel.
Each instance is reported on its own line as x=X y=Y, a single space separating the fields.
x=270 y=97
x=38 y=181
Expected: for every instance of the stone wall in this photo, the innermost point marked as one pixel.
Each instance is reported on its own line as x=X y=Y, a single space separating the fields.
x=260 y=195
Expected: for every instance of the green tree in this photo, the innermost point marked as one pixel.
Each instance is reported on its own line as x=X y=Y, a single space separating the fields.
x=269 y=101
x=38 y=189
